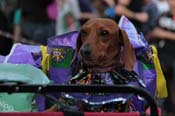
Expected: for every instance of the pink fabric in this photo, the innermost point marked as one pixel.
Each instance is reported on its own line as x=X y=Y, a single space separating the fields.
x=52 y=10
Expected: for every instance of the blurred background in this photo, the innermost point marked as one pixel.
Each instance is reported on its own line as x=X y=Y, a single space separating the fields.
x=34 y=21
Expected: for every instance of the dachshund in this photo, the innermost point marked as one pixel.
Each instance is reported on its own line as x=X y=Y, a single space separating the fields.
x=103 y=45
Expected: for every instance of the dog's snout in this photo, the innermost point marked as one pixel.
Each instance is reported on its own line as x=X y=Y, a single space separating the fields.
x=85 y=50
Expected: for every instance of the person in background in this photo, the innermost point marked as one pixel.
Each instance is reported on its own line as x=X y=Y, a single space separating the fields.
x=150 y=8
x=31 y=21
x=8 y=8
x=163 y=37
x=5 y=43
x=129 y=8
x=72 y=14
x=87 y=9
x=67 y=17
x=162 y=5
x=143 y=17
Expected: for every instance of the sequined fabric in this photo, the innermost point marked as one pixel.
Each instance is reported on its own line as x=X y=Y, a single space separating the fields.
x=103 y=102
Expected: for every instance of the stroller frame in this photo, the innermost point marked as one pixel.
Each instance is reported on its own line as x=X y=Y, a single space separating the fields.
x=44 y=89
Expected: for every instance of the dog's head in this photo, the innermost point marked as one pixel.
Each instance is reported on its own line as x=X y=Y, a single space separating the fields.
x=101 y=43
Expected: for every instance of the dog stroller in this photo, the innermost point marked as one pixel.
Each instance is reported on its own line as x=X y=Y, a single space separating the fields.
x=10 y=86
x=22 y=78
x=54 y=61
x=44 y=89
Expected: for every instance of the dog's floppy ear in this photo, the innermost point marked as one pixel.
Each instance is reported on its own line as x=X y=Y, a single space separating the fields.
x=78 y=46
x=127 y=54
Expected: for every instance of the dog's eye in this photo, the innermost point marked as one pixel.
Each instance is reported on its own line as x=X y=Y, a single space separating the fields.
x=83 y=32
x=104 y=33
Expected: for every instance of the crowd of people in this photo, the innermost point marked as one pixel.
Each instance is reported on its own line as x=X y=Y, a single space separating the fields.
x=38 y=20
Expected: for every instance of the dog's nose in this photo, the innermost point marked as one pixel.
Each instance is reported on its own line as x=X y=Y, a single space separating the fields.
x=85 y=50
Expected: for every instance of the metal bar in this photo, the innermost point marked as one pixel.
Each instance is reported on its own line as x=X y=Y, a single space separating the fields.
x=23 y=40
x=42 y=89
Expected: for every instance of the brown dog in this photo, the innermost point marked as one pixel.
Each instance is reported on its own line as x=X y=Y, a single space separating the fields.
x=102 y=44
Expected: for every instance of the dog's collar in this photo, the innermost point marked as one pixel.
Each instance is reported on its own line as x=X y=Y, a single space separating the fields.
x=119 y=76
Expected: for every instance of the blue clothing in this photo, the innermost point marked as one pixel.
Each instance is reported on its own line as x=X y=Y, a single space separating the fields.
x=86 y=6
